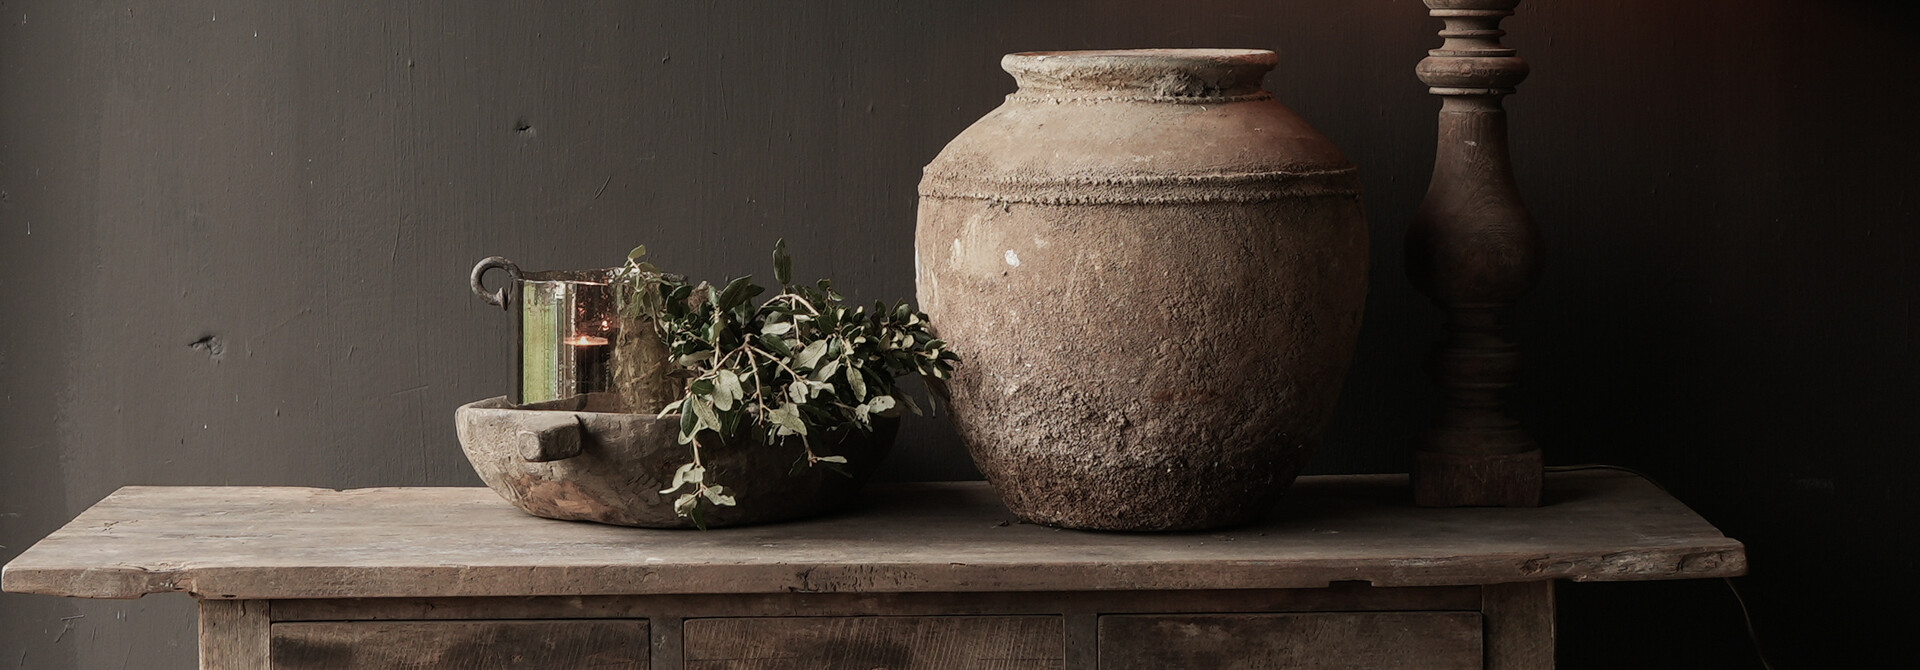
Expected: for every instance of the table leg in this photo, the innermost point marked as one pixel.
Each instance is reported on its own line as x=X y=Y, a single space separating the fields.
x=1519 y=625
x=233 y=635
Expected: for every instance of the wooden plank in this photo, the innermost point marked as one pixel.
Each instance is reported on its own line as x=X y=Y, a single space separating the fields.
x=1371 y=641
x=460 y=645
x=1520 y=625
x=667 y=638
x=233 y=634
x=1339 y=597
x=1082 y=644
x=241 y=542
x=892 y=643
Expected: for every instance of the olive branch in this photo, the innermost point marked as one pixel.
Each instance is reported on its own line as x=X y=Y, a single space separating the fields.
x=797 y=367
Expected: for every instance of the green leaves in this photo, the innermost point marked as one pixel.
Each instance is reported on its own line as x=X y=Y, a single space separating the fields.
x=736 y=292
x=857 y=383
x=777 y=345
x=717 y=495
x=689 y=424
x=782 y=372
x=782 y=263
x=810 y=356
x=787 y=417
x=726 y=389
x=687 y=474
x=708 y=418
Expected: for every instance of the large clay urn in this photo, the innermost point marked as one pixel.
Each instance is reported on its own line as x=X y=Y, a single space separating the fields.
x=1154 y=273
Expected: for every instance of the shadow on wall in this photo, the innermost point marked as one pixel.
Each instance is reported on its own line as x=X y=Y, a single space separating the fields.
x=1729 y=305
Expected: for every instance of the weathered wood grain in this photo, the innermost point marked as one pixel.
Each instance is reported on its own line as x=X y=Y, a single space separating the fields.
x=460 y=645
x=879 y=642
x=1078 y=612
x=1345 y=597
x=236 y=542
x=233 y=635
x=668 y=636
x=1372 y=641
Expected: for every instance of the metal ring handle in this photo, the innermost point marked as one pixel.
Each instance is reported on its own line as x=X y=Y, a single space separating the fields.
x=499 y=298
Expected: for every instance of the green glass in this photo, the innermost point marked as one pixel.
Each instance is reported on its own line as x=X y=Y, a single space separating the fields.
x=567 y=328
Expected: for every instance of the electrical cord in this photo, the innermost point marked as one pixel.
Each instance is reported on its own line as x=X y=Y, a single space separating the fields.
x=1753 y=634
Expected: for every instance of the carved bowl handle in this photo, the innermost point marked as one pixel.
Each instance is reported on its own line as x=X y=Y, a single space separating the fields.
x=553 y=438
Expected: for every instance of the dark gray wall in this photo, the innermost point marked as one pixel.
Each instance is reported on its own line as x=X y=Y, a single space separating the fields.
x=1726 y=186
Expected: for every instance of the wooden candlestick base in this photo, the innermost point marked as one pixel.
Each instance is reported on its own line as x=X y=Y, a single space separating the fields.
x=1473 y=248
x=1478 y=480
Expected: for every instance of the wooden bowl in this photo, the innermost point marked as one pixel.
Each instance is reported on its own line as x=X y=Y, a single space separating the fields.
x=565 y=460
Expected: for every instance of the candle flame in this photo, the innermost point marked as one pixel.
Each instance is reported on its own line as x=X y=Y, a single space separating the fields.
x=586 y=341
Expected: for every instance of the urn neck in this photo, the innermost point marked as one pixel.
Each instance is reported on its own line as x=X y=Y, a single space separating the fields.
x=1141 y=75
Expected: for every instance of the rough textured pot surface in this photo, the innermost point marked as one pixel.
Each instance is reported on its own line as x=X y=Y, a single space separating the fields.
x=624 y=460
x=1154 y=273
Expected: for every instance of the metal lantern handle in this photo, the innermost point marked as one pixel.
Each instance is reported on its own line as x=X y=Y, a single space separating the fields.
x=499 y=298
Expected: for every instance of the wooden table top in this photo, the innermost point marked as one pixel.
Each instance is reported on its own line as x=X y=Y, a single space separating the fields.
x=278 y=542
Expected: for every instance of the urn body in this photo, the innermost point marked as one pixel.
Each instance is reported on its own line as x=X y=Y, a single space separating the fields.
x=1154 y=273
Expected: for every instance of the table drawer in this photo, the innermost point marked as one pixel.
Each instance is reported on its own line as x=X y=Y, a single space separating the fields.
x=1319 y=641
x=610 y=644
x=876 y=642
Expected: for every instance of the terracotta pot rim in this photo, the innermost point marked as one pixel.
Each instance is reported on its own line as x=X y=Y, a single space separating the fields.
x=1204 y=55
x=1141 y=75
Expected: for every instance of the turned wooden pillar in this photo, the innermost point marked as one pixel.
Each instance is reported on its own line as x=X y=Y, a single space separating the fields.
x=1474 y=250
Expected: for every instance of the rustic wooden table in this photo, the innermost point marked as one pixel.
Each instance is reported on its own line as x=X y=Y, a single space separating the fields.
x=1345 y=574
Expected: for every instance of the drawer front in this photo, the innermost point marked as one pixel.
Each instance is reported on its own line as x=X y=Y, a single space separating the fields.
x=1320 y=641
x=612 y=644
x=877 y=643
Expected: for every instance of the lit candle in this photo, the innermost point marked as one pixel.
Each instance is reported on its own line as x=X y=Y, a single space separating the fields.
x=590 y=358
